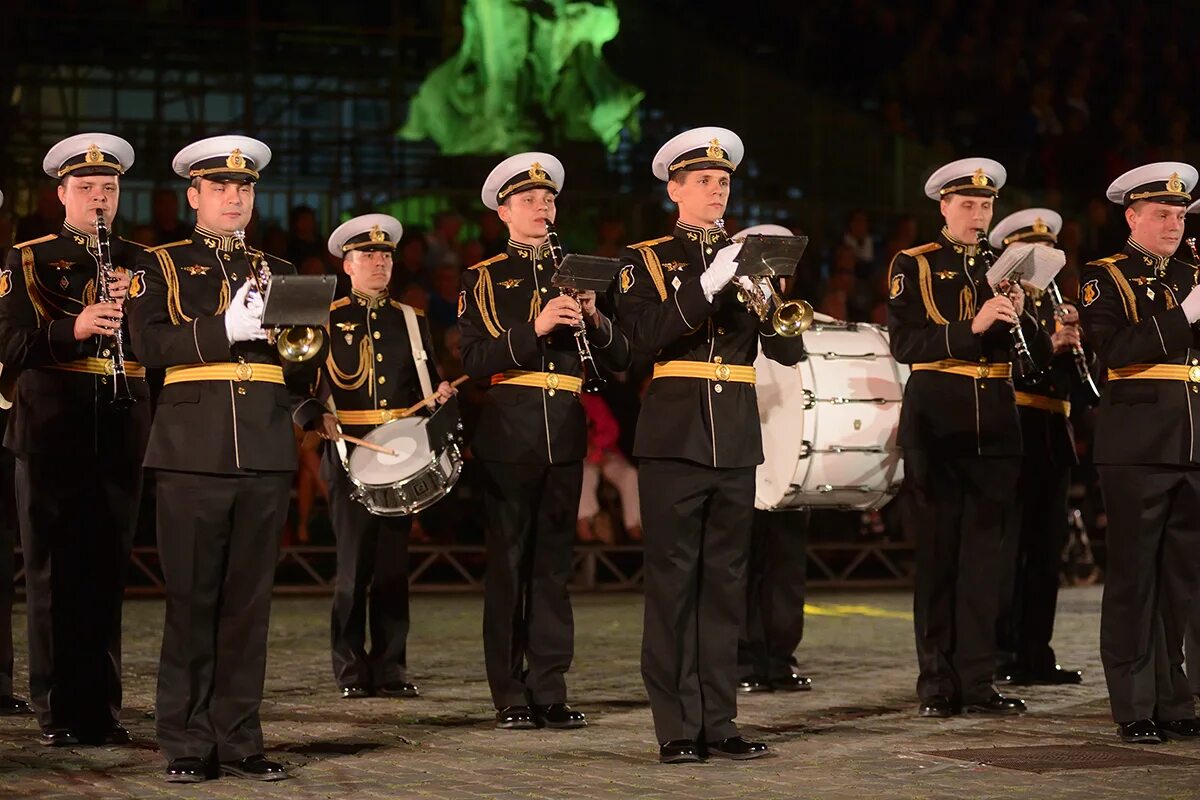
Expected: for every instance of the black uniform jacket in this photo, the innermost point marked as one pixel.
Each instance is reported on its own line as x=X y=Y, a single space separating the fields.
x=44 y=284
x=662 y=309
x=223 y=427
x=1131 y=315
x=935 y=291
x=499 y=301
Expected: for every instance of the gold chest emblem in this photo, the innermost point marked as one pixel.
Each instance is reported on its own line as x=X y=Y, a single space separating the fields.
x=196 y=269
x=61 y=265
x=674 y=266
x=945 y=274
x=511 y=283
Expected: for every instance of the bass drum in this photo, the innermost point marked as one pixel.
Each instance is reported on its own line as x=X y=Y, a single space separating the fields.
x=829 y=424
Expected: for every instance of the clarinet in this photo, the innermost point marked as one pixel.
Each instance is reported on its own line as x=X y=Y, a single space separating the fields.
x=1081 y=365
x=1024 y=364
x=121 y=396
x=593 y=382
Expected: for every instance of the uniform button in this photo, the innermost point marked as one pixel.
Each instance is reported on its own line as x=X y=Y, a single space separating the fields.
x=107 y=353
x=241 y=390
x=379 y=356
x=970 y=262
x=383 y=379
x=543 y=290
x=982 y=385
x=720 y=331
x=375 y=334
x=708 y=250
x=383 y=403
x=1195 y=362
x=374 y=315
x=233 y=276
x=717 y=360
x=551 y=366
x=718 y=388
x=539 y=266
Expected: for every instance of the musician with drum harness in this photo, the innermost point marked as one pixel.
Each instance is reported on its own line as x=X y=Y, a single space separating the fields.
x=531 y=341
x=960 y=434
x=380 y=363
x=78 y=429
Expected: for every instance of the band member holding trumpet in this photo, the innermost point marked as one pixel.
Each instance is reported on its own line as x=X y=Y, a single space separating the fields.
x=371 y=374
x=1033 y=546
x=224 y=454
x=518 y=331
x=78 y=453
x=1139 y=309
x=961 y=435
x=698 y=441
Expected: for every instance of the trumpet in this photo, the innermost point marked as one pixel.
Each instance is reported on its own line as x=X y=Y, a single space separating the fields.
x=593 y=382
x=296 y=343
x=788 y=317
x=1081 y=365
x=121 y=396
x=1024 y=359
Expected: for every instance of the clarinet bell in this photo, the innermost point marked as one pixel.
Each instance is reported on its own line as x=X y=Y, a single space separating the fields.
x=594 y=384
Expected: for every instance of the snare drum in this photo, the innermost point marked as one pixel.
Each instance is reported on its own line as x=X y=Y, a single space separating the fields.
x=417 y=476
x=830 y=422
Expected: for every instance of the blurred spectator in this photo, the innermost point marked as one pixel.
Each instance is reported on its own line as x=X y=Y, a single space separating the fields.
x=145 y=236
x=166 y=225
x=443 y=300
x=902 y=237
x=860 y=241
x=304 y=240
x=46 y=219
x=610 y=238
x=415 y=296
x=443 y=241
x=493 y=236
x=605 y=460
x=408 y=266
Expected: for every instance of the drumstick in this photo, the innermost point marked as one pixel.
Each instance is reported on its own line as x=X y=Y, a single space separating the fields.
x=415 y=407
x=387 y=451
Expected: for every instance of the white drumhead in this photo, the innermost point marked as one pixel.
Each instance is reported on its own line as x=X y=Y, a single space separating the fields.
x=409 y=440
x=781 y=413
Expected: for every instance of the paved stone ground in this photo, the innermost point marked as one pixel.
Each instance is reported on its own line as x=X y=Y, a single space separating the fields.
x=853 y=736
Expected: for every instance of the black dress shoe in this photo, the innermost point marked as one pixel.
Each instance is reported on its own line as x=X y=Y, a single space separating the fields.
x=256 y=768
x=792 y=683
x=938 y=706
x=59 y=737
x=559 y=715
x=186 y=770
x=1178 y=728
x=10 y=705
x=996 y=704
x=679 y=751
x=738 y=748
x=753 y=683
x=515 y=718
x=355 y=691
x=115 y=734
x=398 y=689
x=1142 y=731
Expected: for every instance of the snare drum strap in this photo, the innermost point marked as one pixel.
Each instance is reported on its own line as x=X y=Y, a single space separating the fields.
x=420 y=357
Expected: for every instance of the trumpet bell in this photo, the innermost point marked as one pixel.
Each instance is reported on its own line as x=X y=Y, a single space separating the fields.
x=300 y=343
x=792 y=318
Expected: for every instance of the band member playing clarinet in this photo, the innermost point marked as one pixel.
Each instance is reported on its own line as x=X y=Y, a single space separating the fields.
x=224 y=454
x=698 y=441
x=78 y=451
x=1033 y=546
x=518 y=331
x=1139 y=309
x=373 y=376
x=961 y=436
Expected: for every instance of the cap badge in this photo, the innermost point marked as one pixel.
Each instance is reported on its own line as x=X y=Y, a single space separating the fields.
x=94 y=156
x=714 y=149
x=236 y=160
x=1039 y=226
x=979 y=179
x=536 y=172
x=377 y=235
x=1174 y=184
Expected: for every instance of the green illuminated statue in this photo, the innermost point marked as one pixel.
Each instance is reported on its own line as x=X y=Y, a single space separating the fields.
x=525 y=70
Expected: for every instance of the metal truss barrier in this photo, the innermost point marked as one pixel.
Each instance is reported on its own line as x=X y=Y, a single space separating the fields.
x=460 y=568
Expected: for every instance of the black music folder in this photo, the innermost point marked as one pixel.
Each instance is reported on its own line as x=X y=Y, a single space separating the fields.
x=298 y=300
x=772 y=256
x=583 y=273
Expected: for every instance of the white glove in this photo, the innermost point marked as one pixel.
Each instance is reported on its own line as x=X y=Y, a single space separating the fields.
x=720 y=271
x=1191 y=305
x=243 y=318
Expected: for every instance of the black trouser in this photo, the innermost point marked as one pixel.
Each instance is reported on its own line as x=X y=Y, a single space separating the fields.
x=372 y=581
x=1032 y=550
x=775 y=589
x=696 y=527
x=77 y=516
x=1152 y=543
x=960 y=508
x=528 y=628
x=8 y=540
x=218 y=540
